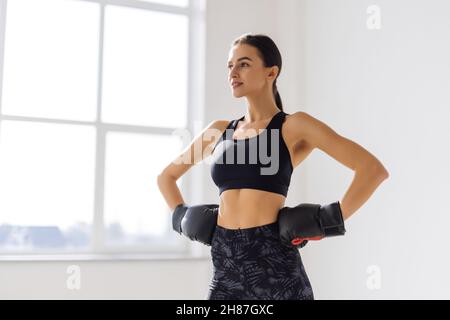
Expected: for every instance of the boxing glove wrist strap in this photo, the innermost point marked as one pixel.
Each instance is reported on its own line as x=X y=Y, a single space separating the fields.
x=331 y=220
x=177 y=216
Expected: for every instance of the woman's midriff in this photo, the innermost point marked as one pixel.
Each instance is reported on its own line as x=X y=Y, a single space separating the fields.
x=247 y=208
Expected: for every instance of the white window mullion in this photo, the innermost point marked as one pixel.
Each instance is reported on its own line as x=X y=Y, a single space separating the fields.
x=2 y=45
x=98 y=219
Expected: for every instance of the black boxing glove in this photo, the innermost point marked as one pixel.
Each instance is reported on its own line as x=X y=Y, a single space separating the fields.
x=196 y=222
x=308 y=221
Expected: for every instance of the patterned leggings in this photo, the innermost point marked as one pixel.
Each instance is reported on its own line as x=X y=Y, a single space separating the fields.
x=253 y=264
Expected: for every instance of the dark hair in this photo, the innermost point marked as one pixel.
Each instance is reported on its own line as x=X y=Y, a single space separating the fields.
x=269 y=54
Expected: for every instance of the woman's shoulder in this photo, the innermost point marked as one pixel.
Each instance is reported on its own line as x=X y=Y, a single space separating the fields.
x=220 y=124
x=299 y=119
x=296 y=126
x=293 y=120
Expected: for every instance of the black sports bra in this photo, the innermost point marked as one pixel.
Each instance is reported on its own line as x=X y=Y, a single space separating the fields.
x=260 y=162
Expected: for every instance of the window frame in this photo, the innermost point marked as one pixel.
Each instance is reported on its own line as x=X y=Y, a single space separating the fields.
x=97 y=249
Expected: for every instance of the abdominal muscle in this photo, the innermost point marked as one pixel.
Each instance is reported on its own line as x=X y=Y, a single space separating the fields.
x=247 y=208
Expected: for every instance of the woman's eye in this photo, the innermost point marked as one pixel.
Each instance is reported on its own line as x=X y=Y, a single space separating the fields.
x=241 y=65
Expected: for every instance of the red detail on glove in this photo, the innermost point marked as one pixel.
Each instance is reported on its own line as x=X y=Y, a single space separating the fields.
x=297 y=241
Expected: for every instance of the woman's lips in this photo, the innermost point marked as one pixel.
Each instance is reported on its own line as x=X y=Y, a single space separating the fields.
x=237 y=85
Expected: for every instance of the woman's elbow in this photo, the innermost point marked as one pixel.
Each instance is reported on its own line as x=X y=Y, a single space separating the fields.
x=381 y=171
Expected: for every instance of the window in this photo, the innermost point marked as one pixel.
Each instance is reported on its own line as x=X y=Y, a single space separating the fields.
x=90 y=95
x=180 y=3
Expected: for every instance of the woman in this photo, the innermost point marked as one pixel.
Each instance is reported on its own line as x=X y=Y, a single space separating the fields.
x=253 y=245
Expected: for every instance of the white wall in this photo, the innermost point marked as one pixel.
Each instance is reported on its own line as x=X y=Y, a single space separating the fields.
x=385 y=89
x=158 y=279
x=388 y=90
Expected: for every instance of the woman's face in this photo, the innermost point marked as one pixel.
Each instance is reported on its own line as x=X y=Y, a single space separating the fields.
x=245 y=66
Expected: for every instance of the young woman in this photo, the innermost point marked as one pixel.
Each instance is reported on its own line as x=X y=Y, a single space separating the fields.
x=254 y=239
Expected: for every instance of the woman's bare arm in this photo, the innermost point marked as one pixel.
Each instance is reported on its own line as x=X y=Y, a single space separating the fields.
x=369 y=171
x=199 y=149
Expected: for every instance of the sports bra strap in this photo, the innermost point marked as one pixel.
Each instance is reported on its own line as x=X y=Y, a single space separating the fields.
x=275 y=122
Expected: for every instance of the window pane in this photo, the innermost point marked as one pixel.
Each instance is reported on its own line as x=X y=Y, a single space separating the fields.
x=51 y=58
x=145 y=67
x=180 y=3
x=135 y=211
x=46 y=185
